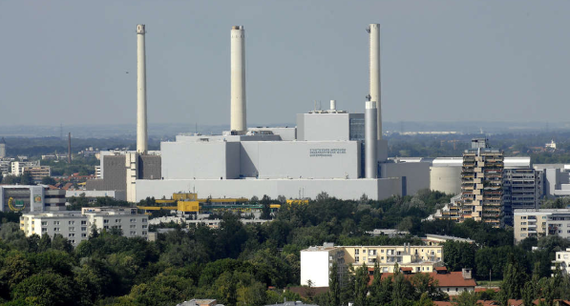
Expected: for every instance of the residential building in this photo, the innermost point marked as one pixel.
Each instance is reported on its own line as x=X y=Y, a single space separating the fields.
x=5 y=167
x=38 y=172
x=562 y=259
x=555 y=179
x=452 y=283
x=199 y=302
x=541 y=222
x=522 y=189
x=31 y=198
x=316 y=262
x=482 y=183
x=76 y=225
x=17 y=167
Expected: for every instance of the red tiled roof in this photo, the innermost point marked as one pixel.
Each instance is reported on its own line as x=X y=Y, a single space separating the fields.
x=407 y=269
x=441 y=303
x=483 y=289
x=440 y=268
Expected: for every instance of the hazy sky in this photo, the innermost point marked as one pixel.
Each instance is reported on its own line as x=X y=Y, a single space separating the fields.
x=66 y=61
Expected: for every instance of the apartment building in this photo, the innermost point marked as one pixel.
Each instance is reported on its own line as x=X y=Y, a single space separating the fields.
x=482 y=183
x=76 y=225
x=562 y=258
x=37 y=173
x=522 y=190
x=541 y=222
x=316 y=262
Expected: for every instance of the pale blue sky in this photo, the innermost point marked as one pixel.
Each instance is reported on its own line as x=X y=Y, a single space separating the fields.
x=66 y=61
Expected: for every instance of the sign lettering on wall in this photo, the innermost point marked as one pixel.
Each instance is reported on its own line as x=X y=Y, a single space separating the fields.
x=326 y=152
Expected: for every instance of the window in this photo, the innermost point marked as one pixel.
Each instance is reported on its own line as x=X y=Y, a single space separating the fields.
x=133 y=220
x=117 y=220
x=44 y=222
x=55 y=222
x=133 y=226
x=56 y=229
x=83 y=229
x=105 y=221
x=144 y=233
x=133 y=233
x=83 y=222
x=144 y=220
x=73 y=241
x=44 y=229
x=83 y=235
x=71 y=235
x=356 y=252
x=356 y=259
x=144 y=226
x=72 y=229
x=106 y=227
x=71 y=222
x=438 y=251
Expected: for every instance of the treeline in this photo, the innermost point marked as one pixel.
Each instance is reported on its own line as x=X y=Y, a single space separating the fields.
x=234 y=264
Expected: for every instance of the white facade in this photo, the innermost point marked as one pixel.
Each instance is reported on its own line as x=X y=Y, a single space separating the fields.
x=17 y=167
x=316 y=263
x=76 y=225
x=562 y=258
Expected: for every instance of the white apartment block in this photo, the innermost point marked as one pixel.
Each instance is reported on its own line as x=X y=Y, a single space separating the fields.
x=541 y=222
x=316 y=262
x=17 y=167
x=563 y=260
x=76 y=225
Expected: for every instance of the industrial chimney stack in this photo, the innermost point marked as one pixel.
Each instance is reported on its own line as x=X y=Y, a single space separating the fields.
x=238 y=100
x=371 y=140
x=375 y=92
x=142 y=137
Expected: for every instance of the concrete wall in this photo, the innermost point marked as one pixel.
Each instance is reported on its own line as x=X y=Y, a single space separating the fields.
x=183 y=160
x=280 y=159
x=115 y=174
x=417 y=174
x=150 y=167
x=290 y=188
x=324 y=126
x=445 y=179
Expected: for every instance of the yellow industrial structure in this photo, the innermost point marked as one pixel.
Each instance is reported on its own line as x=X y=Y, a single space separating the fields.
x=190 y=203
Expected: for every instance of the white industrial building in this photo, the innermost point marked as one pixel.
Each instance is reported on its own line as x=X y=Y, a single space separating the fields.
x=76 y=225
x=330 y=151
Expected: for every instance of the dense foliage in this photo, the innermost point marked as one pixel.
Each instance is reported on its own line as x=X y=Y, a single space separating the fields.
x=236 y=264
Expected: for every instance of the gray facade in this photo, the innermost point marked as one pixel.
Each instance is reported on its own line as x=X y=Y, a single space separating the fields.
x=417 y=175
x=327 y=125
x=115 y=171
x=31 y=198
x=522 y=190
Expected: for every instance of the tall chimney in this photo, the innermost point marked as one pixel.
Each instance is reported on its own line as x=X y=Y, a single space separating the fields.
x=142 y=137
x=238 y=99
x=375 y=92
x=371 y=140
x=69 y=148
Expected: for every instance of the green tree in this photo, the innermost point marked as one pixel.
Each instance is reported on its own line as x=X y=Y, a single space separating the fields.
x=466 y=298
x=266 y=209
x=514 y=279
x=334 y=285
x=46 y=289
x=48 y=180
x=528 y=293
x=361 y=286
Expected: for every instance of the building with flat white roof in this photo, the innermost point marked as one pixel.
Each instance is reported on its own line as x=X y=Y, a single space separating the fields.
x=76 y=225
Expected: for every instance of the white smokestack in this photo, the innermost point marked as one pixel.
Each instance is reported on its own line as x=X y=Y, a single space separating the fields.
x=142 y=137
x=333 y=105
x=375 y=92
x=238 y=108
x=371 y=140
